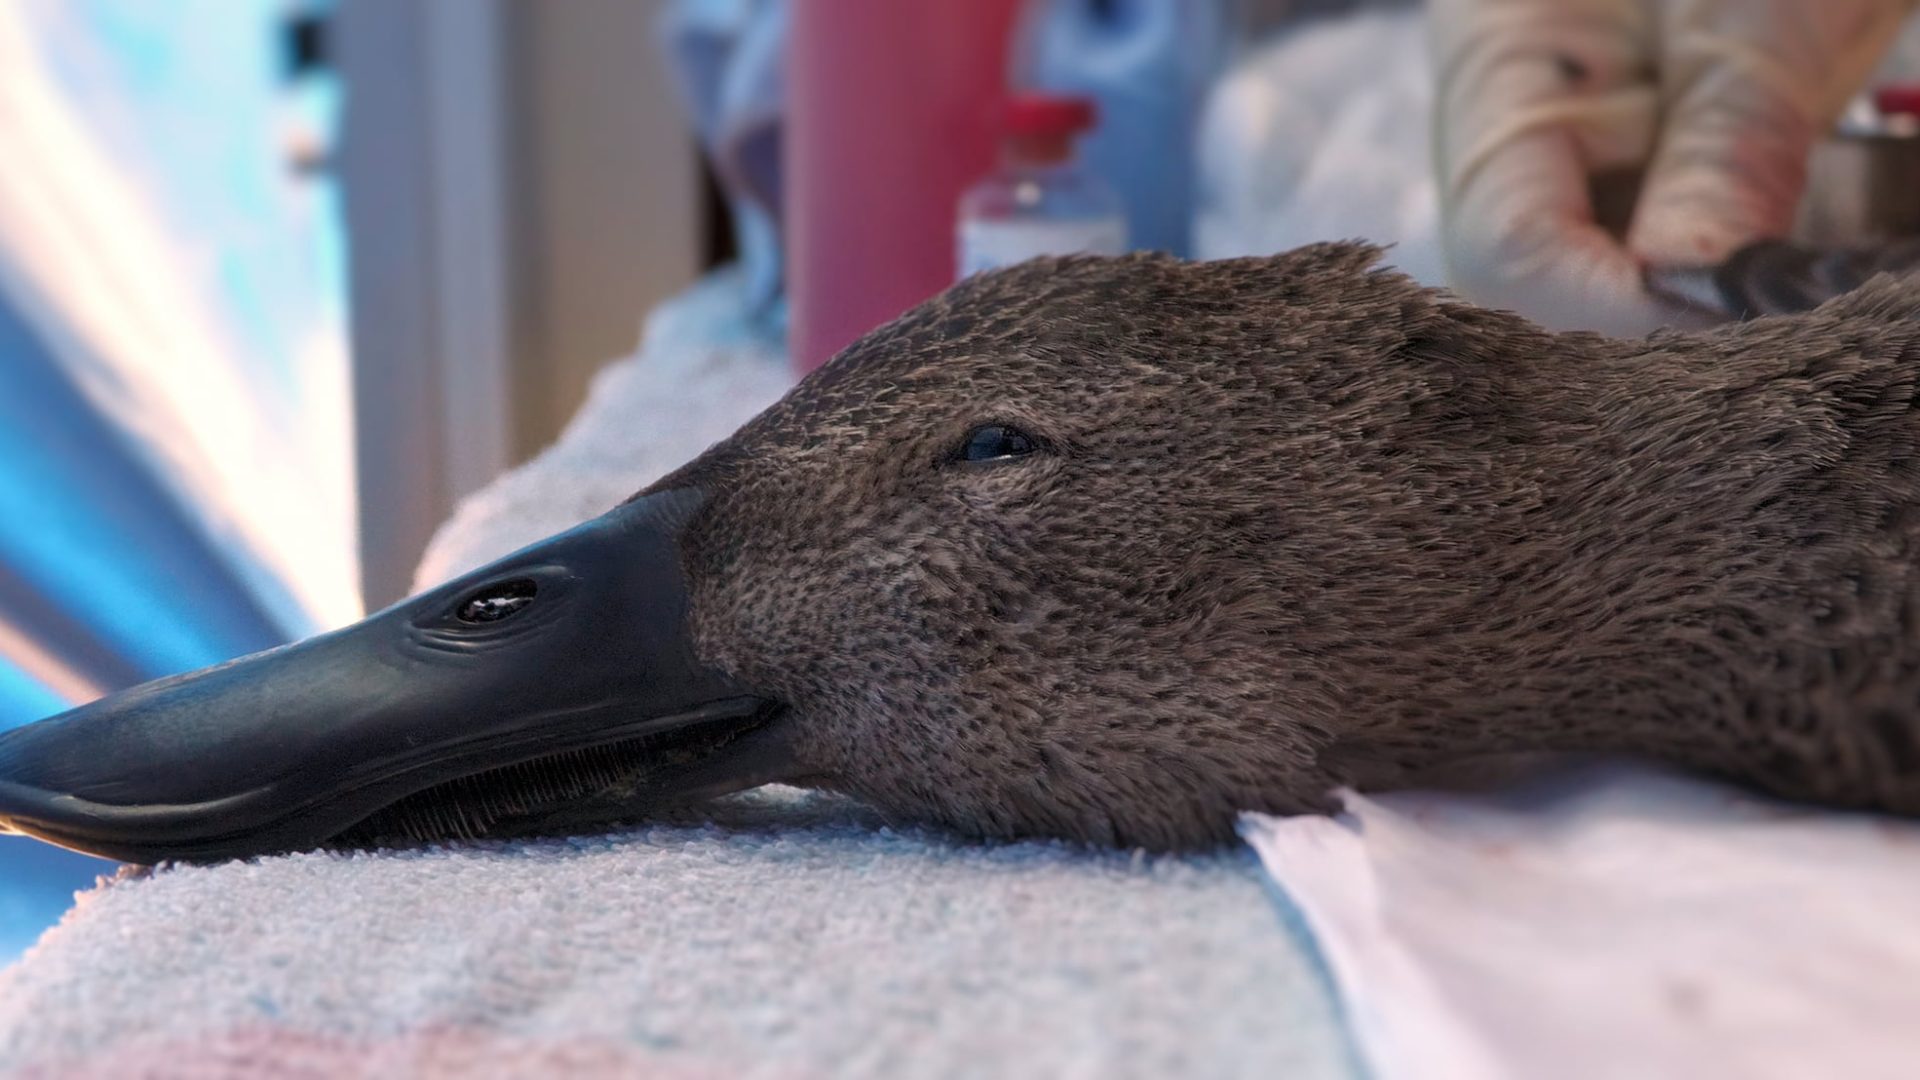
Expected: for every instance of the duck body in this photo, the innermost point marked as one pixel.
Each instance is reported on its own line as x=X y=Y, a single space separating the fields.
x=1113 y=550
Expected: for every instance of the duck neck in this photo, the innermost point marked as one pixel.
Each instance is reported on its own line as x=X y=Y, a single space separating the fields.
x=1611 y=588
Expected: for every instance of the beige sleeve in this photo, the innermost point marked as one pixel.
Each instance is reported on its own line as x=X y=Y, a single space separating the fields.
x=1746 y=88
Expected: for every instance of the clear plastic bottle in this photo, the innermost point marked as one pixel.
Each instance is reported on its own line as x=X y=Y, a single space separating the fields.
x=1040 y=201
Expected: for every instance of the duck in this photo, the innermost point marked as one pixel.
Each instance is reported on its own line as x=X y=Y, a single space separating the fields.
x=1112 y=550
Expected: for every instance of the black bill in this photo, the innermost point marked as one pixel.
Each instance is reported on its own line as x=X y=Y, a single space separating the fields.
x=555 y=689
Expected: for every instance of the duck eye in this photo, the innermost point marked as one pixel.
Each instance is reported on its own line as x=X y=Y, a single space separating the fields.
x=496 y=602
x=997 y=442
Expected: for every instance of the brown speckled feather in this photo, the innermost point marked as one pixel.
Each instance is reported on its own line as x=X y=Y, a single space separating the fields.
x=1298 y=521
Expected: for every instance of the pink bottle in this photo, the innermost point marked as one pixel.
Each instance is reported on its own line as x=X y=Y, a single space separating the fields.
x=891 y=116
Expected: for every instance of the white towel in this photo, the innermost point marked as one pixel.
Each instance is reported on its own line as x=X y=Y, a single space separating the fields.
x=797 y=937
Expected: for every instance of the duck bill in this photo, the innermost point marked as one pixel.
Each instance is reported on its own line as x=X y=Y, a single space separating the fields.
x=556 y=689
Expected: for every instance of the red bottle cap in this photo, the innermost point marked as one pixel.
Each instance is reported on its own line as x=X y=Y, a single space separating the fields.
x=1043 y=114
x=1898 y=99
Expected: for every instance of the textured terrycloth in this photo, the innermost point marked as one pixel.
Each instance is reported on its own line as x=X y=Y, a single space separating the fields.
x=794 y=940
x=797 y=936
x=1611 y=921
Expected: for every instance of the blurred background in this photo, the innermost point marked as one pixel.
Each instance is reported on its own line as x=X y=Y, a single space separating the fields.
x=282 y=280
x=201 y=453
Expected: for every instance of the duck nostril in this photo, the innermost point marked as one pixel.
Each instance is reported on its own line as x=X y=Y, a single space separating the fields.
x=497 y=601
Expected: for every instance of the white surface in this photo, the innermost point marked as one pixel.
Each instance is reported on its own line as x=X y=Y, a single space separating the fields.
x=1325 y=134
x=1611 y=921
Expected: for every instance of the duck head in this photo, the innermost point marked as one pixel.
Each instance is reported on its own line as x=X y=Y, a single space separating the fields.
x=1099 y=549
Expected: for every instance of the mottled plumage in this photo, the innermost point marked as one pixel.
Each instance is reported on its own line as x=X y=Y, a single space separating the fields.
x=1297 y=522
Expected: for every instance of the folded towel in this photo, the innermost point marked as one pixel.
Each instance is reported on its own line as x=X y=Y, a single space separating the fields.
x=1603 y=920
x=788 y=935
x=795 y=936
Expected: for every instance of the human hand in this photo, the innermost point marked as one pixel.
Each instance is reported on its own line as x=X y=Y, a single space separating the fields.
x=1579 y=141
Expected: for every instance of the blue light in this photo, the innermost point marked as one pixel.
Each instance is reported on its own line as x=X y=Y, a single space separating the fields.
x=23 y=698
x=37 y=888
x=37 y=882
x=86 y=532
x=113 y=579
